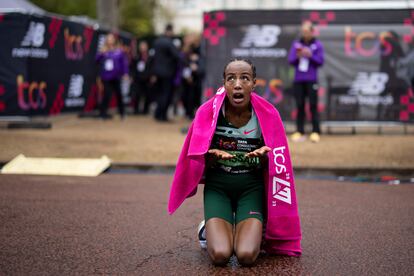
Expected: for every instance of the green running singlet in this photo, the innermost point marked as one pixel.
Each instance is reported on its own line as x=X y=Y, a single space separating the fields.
x=234 y=188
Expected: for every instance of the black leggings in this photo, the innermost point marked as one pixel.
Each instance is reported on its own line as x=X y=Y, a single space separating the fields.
x=111 y=86
x=303 y=90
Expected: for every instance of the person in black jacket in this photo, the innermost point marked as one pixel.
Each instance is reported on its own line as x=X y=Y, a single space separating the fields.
x=140 y=73
x=164 y=65
x=193 y=75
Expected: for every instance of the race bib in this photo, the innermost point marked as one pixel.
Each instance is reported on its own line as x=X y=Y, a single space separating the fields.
x=109 y=65
x=141 y=66
x=186 y=72
x=303 y=65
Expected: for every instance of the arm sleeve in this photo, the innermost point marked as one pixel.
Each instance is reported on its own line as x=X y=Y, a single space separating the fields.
x=175 y=53
x=317 y=57
x=292 y=58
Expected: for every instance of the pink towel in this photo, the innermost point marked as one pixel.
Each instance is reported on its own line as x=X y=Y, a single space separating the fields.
x=282 y=225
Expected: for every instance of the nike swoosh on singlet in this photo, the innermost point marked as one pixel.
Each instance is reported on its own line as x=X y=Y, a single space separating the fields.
x=247 y=132
x=254 y=213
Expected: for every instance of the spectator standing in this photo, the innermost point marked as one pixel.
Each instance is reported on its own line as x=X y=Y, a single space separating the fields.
x=178 y=83
x=113 y=67
x=140 y=72
x=306 y=55
x=164 y=66
x=193 y=75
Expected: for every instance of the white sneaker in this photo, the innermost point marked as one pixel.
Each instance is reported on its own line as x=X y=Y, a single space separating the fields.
x=298 y=137
x=315 y=137
x=201 y=232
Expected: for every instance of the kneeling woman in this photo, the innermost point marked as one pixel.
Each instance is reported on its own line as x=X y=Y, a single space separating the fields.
x=237 y=142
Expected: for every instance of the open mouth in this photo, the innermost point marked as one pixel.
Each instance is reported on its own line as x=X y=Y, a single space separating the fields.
x=238 y=97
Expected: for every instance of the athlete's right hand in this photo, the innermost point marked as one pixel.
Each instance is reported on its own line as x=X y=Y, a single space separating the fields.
x=220 y=154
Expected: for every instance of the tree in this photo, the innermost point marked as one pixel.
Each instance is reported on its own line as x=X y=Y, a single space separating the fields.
x=135 y=16
x=68 y=7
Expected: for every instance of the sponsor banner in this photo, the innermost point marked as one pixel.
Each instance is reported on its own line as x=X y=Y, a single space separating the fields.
x=369 y=60
x=48 y=65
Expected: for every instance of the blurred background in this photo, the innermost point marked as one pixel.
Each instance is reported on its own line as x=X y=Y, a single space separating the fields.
x=363 y=40
x=50 y=65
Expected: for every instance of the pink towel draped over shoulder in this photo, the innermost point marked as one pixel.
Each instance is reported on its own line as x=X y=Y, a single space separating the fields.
x=282 y=225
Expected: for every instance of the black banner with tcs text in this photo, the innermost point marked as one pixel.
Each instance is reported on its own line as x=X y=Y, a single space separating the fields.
x=48 y=65
x=369 y=59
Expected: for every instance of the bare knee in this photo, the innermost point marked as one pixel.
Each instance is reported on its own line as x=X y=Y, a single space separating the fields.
x=248 y=240
x=247 y=257
x=219 y=240
x=220 y=256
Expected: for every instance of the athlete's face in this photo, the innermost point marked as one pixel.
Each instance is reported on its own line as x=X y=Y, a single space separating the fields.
x=239 y=83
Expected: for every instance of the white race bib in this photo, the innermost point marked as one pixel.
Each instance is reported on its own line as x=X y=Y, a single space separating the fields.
x=186 y=72
x=141 y=66
x=303 y=64
x=109 y=65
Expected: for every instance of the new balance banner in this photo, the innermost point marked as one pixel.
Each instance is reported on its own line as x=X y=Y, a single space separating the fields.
x=369 y=59
x=47 y=65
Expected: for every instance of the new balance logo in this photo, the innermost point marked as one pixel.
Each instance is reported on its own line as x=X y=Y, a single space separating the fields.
x=75 y=90
x=369 y=84
x=34 y=35
x=261 y=36
x=75 y=86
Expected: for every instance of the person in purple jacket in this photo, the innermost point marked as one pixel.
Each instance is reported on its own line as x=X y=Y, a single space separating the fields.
x=113 y=67
x=306 y=55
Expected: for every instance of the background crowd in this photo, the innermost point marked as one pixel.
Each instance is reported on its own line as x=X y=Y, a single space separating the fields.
x=168 y=73
x=171 y=74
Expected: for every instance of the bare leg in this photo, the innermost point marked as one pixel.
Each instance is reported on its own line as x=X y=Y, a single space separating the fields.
x=247 y=241
x=219 y=235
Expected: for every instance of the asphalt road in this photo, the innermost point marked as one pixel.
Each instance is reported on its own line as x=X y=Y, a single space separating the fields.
x=118 y=224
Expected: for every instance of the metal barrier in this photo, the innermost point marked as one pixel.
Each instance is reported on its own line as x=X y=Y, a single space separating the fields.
x=363 y=124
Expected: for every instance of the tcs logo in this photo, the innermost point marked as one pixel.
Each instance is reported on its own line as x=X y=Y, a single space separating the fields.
x=31 y=95
x=35 y=35
x=73 y=46
x=367 y=43
x=261 y=36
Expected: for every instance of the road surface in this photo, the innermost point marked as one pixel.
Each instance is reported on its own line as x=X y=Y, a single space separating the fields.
x=117 y=224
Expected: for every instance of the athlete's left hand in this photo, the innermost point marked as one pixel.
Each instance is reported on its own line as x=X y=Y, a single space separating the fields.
x=261 y=152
